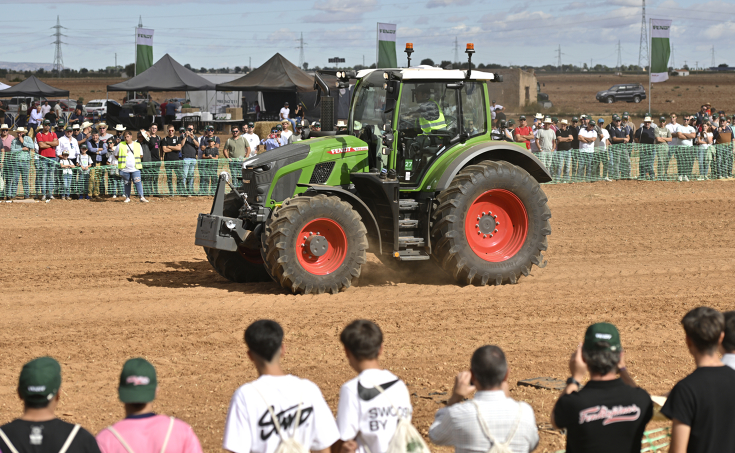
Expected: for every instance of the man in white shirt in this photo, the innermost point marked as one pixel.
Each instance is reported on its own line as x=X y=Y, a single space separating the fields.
x=250 y=425
x=68 y=143
x=496 y=108
x=508 y=421
x=546 y=142
x=685 y=151
x=727 y=348
x=604 y=154
x=252 y=137
x=286 y=133
x=285 y=111
x=587 y=137
x=365 y=416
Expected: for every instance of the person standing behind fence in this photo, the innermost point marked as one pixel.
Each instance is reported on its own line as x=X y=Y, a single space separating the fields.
x=603 y=154
x=189 y=149
x=252 y=138
x=646 y=137
x=97 y=150
x=491 y=419
x=36 y=118
x=21 y=150
x=663 y=138
x=6 y=164
x=563 y=154
x=587 y=137
x=47 y=143
x=523 y=133
x=546 y=140
x=151 y=171
x=67 y=173
x=236 y=149
x=685 y=151
x=208 y=166
x=130 y=163
x=618 y=138
x=113 y=176
x=85 y=163
x=705 y=139
x=171 y=146
x=723 y=137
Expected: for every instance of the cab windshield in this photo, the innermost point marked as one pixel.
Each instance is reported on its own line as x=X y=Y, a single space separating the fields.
x=369 y=107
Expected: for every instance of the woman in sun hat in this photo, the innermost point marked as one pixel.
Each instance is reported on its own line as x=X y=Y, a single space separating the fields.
x=20 y=156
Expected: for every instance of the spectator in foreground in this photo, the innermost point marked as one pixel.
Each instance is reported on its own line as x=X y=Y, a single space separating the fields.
x=142 y=430
x=705 y=139
x=546 y=140
x=236 y=149
x=273 y=141
x=701 y=405
x=285 y=133
x=524 y=133
x=685 y=152
x=151 y=172
x=208 y=167
x=662 y=153
x=38 y=429
x=723 y=136
x=363 y=426
x=85 y=163
x=130 y=163
x=609 y=414
x=20 y=152
x=67 y=173
x=491 y=418
x=646 y=136
x=251 y=137
x=171 y=147
x=250 y=425
x=587 y=137
x=46 y=165
x=189 y=149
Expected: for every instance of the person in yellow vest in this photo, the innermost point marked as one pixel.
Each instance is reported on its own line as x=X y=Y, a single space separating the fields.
x=431 y=117
x=129 y=162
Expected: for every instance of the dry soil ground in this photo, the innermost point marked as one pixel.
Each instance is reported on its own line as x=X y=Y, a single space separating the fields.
x=93 y=284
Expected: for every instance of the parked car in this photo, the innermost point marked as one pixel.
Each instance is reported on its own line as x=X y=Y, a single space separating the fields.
x=13 y=103
x=624 y=92
x=97 y=108
x=67 y=105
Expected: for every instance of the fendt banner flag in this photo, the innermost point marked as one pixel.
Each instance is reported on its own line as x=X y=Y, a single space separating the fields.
x=387 y=46
x=143 y=49
x=660 y=50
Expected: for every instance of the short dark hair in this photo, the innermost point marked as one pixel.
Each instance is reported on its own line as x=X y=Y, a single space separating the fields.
x=489 y=366
x=703 y=326
x=601 y=361
x=264 y=338
x=362 y=338
x=729 y=341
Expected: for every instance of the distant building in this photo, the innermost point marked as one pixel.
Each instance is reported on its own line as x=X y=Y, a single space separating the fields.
x=680 y=72
x=518 y=89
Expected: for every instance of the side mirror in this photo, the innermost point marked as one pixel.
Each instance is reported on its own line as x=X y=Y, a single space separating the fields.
x=497 y=78
x=392 y=89
x=388 y=140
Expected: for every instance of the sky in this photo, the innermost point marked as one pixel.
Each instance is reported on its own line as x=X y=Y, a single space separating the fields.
x=229 y=33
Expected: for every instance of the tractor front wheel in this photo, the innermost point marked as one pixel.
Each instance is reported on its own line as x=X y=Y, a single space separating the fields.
x=490 y=224
x=315 y=244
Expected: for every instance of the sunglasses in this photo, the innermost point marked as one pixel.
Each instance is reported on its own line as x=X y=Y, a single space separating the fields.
x=190 y=130
x=171 y=131
x=235 y=131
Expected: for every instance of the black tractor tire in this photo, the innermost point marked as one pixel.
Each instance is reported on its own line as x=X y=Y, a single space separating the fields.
x=452 y=247
x=283 y=233
x=233 y=265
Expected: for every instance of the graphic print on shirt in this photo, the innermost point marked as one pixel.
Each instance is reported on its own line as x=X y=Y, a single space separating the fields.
x=285 y=419
x=36 y=436
x=616 y=414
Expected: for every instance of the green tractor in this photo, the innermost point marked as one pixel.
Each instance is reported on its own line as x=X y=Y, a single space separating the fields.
x=417 y=175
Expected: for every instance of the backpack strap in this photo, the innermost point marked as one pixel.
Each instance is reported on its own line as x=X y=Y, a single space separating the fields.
x=398 y=413
x=119 y=438
x=168 y=435
x=7 y=442
x=69 y=439
x=486 y=430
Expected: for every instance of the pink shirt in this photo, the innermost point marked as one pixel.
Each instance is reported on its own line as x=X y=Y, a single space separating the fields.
x=146 y=435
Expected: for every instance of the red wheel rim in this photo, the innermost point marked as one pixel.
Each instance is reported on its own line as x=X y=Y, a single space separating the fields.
x=251 y=255
x=496 y=225
x=336 y=240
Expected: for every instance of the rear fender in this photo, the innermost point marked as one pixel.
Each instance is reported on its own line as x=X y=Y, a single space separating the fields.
x=508 y=152
x=367 y=216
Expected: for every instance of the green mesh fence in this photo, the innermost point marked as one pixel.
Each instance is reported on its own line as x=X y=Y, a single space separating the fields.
x=30 y=175
x=653 y=440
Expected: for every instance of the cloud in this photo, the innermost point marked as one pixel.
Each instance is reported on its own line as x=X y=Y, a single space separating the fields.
x=423 y=20
x=340 y=11
x=443 y=3
x=455 y=19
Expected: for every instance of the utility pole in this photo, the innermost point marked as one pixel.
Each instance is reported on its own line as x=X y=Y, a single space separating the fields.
x=673 y=57
x=250 y=63
x=115 y=61
x=620 y=57
x=58 y=58
x=363 y=60
x=644 y=38
x=456 y=50
x=301 y=50
x=696 y=65
x=558 y=58
x=140 y=21
x=713 y=57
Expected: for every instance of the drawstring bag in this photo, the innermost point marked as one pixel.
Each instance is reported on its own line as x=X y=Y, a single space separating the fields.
x=405 y=439
x=497 y=447
x=287 y=444
x=130 y=450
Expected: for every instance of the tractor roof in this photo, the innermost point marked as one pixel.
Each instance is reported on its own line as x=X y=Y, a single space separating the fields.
x=431 y=73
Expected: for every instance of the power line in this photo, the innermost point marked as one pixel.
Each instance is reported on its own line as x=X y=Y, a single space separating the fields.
x=644 y=37
x=58 y=58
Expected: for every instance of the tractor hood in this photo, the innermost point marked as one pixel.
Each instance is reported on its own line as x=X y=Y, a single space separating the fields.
x=294 y=151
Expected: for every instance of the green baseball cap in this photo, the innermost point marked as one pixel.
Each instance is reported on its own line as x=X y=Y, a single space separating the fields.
x=602 y=332
x=662 y=118
x=316 y=124
x=511 y=121
x=554 y=119
x=574 y=118
x=522 y=117
x=138 y=382
x=251 y=124
x=625 y=116
x=279 y=127
x=40 y=380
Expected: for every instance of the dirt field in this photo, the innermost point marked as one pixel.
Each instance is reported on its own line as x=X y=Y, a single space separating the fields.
x=575 y=93
x=95 y=284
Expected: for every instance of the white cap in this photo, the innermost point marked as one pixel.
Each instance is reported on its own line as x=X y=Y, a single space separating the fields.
x=547 y=120
x=120 y=127
x=539 y=116
x=564 y=122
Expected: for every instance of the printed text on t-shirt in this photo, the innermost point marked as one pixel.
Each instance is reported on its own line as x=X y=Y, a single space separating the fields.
x=614 y=415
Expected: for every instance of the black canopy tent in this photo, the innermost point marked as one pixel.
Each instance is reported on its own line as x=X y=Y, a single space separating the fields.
x=278 y=79
x=34 y=87
x=165 y=75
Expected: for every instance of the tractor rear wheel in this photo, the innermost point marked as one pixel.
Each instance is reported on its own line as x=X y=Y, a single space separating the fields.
x=245 y=265
x=315 y=244
x=490 y=224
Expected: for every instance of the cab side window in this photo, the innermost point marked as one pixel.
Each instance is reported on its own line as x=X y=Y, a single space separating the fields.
x=473 y=109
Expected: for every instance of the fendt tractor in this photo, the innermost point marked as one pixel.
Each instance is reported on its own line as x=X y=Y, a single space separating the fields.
x=417 y=175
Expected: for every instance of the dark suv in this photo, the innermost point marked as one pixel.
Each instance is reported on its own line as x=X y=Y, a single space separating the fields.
x=628 y=92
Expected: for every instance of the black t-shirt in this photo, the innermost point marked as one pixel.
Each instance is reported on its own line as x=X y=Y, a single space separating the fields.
x=189 y=150
x=604 y=417
x=170 y=141
x=646 y=136
x=154 y=145
x=575 y=136
x=617 y=133
x=564 y=146
x=705 y=401
x=46 y=437
x=210 y=152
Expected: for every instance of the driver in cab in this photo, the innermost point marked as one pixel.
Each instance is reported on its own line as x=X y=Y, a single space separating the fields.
x=430 y=115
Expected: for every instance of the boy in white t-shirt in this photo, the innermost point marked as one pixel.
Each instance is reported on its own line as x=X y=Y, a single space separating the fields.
x=366 y=417
x=250 y=427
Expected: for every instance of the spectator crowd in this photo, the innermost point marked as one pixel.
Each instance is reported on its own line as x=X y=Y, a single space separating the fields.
x=585 y=149
x=601 y=409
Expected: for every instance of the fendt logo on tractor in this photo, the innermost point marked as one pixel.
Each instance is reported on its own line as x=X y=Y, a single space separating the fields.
x=417 y=175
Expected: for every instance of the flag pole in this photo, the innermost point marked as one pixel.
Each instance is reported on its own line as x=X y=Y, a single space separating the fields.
x=650 y=43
